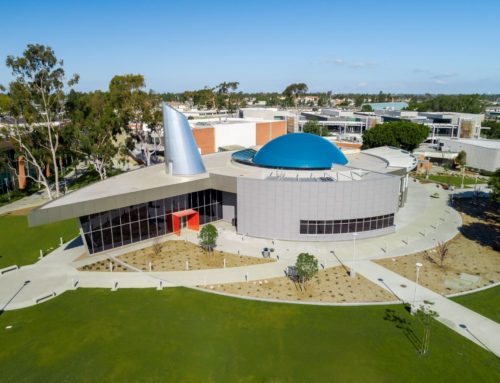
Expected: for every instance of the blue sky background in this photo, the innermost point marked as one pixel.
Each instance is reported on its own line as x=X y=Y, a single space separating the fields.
x=420 y=46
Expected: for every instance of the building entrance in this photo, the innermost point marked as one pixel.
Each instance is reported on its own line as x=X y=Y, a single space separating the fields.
x=185 y=219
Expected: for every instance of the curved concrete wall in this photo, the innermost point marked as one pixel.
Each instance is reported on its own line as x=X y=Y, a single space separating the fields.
x=272 y=208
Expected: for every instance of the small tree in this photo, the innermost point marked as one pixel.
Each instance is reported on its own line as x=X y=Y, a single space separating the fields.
x=442 y=251
x=425 y=315
x=461 y=158
x=208 y=237
x=157 y=247
x=366 y=108
x=313 y=127
x=306 y=267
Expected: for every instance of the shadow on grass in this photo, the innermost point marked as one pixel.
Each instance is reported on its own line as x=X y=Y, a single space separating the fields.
x=482 y=233
x=405 y=326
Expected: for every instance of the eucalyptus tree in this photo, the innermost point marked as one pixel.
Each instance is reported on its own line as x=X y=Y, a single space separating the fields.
x=37 y=105
x=139 y=112
x=94 y=126
x=294 y=91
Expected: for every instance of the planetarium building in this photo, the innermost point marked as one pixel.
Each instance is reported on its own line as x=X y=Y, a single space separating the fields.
x=297 y=187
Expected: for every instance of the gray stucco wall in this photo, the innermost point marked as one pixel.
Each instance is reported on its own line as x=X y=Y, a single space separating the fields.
x=274 y=208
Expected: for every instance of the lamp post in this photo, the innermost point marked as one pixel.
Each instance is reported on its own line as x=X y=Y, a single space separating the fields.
x=353 y=271
x=418 y=265
x=463 y=176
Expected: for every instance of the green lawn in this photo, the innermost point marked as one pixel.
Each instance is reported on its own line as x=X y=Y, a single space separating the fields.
x=452 y=180
x=20 y=245
x=177 y=335
x=485 y=302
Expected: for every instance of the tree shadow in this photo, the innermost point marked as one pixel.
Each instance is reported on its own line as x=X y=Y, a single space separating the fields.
x=481 y=208
x=482 y=233
x=405 y=326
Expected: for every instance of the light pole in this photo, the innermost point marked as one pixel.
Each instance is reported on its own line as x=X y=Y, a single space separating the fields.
x=463 y=176
x=353 y=271
x=418 y=265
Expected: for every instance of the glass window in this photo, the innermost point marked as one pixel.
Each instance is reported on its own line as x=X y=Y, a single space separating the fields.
x=373 y=223
x=162 y=227
x=167 y=202
x=144 y=229
x=219 y=211
x=312 y=227
x=201 y=198
x=126 y=234
x=320 y=227
x=143 y=212
x=107 y=239
x=85 y=223
x=97 y=241
x=105 y=219
x=125 y=215
x=169 y=223
x=115 y=217
x=117 y=236
x=134 y=213
x=337 y=227
x=135 y=231
x=391 y=220
x=329 y=227
x=95 y=221
x=352 y=226
x=359 y=224
x=152 y=228
x=219 y=196
x=88 y=240
x=303 y=227
x=194 y=199
x=366 y=224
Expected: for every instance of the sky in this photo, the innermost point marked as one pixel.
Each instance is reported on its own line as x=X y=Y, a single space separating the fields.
x=439 y=46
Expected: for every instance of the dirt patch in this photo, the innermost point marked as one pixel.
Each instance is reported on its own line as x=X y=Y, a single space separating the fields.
x=106 y=265
x=329 y=285
x=174 y=255
x=472 y=260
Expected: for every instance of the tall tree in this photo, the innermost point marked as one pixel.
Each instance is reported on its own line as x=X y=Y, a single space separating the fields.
x=139 y=112
x=94 y=125
x=404 y=134
x=37 y=103
x=294 y=91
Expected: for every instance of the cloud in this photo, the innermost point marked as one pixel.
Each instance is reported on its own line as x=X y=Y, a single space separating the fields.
x=436 y=77
x=350 y=64
x=362 y=84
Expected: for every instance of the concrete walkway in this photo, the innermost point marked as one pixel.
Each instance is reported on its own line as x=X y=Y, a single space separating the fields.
x=467 y=323
x=420 y=224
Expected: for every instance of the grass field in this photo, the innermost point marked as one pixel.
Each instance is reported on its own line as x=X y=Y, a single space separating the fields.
x=178 y=335
x=20 y=245
x=451 y=180
x=485 y=302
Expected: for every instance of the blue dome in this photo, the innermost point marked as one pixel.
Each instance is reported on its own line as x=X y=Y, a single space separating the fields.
x=299 y=151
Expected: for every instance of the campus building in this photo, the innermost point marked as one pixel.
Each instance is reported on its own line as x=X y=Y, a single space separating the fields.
x=297 y=187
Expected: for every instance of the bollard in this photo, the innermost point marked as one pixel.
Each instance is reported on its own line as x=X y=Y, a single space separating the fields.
x=41 y=254
x=61 y=241
x=110 y=266
x=224 y=262
x=187 y=265
x=150 y=266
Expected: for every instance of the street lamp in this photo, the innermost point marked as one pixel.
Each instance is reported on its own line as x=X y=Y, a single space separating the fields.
x=463 y=176
x=353 y=271
x=418 y=265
